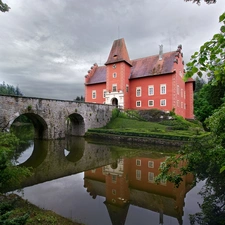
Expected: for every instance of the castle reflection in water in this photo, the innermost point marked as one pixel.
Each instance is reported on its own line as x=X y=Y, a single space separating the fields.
x=130 y=181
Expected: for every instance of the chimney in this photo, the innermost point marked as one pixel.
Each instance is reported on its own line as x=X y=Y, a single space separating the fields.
x=160 y=52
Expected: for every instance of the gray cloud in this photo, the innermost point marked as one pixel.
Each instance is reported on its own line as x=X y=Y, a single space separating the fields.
x=47 y=46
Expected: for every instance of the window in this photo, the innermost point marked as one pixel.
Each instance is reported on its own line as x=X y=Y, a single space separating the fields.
x=162 y=89
x=163 y=181
x=178 y=89
x=93 y=171
x=138 y=92
x=150 y=103
x=151 y=164
x=104 y=93
x=184 y=94
x=114 y=87
x=127 y=88
x=178 y=103
x=163 y=102
x=113 y=191
x=151 y=177
x=114 y=178
x=182 y=105
x=138 y=174
x=114 y=75
x=138 y=103
x=93 y=94
x=138 y=162
x=150 y=90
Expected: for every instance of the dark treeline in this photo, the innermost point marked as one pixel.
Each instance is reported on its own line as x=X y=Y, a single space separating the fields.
x=79 y=99
x=7 y=89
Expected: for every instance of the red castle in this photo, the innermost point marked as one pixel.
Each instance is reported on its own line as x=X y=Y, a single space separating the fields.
x=151 y=82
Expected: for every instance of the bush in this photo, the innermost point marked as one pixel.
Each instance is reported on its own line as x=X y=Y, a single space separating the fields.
x=152 y=115
x=9 y=174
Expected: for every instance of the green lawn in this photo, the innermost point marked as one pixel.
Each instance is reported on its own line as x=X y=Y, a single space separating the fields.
x=173 y=128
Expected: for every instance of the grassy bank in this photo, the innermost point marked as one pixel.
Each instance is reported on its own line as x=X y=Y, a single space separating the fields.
x=176 y=128
x=15 y=210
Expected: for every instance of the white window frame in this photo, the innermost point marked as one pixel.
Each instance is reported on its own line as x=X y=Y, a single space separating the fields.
x=178 y=89
x=137 y=103
x=138 y=162
x=182 y=105
x=93 y=94
x=151 y=87
x=104 y=93
x=127 y=88
x=162 y=89
x=150 y=164
x=114 y=178
x=114 y=75
x=181 y=92
x=163 y=182
x=114 y=86
x=161 y=101
x=178 y=103
x=138 y=91
x=149 y=103
x=151 y=177
x=138 y=174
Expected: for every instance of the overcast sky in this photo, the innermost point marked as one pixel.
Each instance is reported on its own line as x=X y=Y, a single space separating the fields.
x=47 y=46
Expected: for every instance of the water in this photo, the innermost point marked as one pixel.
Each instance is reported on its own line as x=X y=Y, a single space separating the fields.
x=101 y=183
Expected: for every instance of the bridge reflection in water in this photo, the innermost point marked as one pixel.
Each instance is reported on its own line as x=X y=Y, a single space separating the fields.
x=119 y=180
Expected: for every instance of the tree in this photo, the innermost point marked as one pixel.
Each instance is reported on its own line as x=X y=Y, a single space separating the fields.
x=207 y=99
x=210 y=59
x=10 y=90
x=4 y=7
x=199 y=1
x=199 y=83
x=79 y=99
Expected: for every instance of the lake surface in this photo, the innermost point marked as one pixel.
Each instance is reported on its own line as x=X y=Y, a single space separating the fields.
x=105 y=183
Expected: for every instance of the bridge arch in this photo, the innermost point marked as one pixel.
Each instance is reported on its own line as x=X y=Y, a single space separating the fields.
x=75 y=125
x=40 y=125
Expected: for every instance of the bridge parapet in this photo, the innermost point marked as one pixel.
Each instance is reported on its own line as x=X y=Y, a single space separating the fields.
x=54 y=119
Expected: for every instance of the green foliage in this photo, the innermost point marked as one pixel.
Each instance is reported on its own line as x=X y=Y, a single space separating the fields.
x=4 y=7
x=29 y=107
x=199 y=83
x=210 y=58
x=6 y=211
x=79 y=99
x=152 y=115
x=9 y=174
x=199 y=1
x=9 y=90
x=115 y=113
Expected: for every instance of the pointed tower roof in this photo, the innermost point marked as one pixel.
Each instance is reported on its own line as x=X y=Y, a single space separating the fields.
x=117 y=213
x=118 y=53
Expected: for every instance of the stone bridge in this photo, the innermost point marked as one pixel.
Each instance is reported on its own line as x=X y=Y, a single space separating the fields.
x=54 y=119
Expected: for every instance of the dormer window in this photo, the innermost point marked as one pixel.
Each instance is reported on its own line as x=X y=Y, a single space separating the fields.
x=115 y=56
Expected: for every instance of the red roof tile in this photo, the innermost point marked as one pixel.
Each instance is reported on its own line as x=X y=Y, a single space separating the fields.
x=151 y=65
x=99 y=76
x=118 y=52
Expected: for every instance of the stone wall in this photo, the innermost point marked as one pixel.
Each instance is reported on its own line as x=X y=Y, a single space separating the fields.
x=54 y=119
